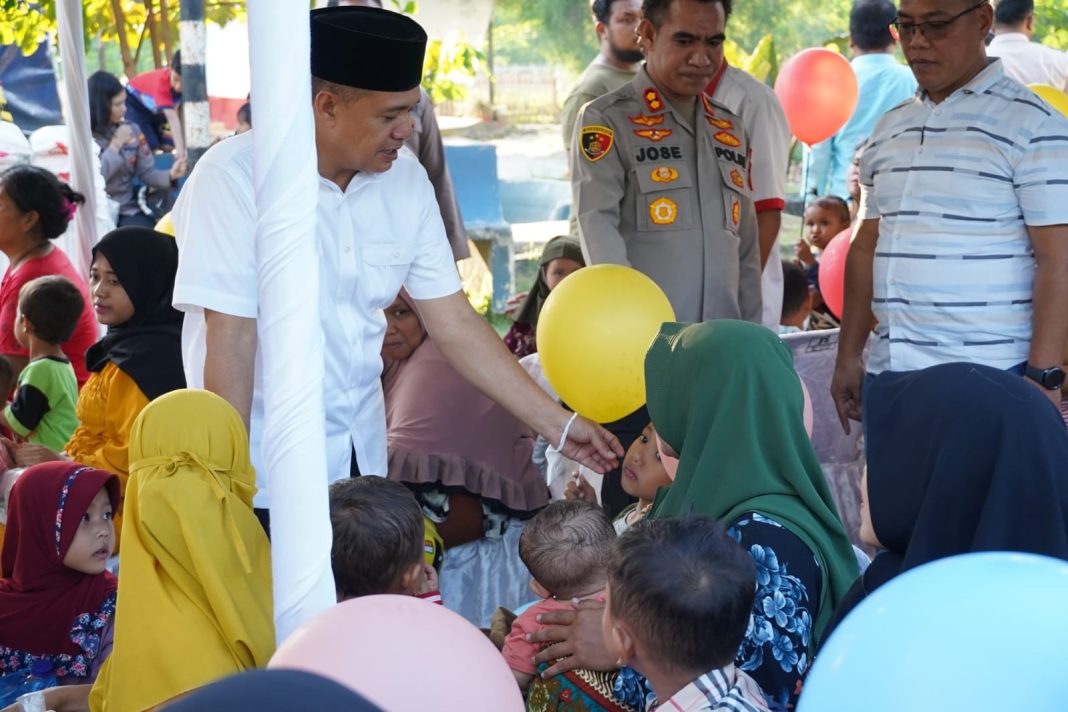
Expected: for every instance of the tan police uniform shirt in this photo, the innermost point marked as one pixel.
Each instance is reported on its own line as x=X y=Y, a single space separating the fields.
x=669 y=200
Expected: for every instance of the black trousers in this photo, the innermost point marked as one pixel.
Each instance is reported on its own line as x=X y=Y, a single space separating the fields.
x=264 y=515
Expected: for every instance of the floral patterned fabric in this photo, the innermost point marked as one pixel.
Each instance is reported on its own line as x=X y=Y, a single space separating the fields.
x=576 y=691
x=87 y=631
x=777 y=647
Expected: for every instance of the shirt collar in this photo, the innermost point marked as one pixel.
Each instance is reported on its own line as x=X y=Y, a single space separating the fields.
x=873 y=59
x=990 y=75
x=1009 y=38
x=703 y=692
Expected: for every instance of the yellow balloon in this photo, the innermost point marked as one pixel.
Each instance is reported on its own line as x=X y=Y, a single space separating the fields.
x=1053 y=96
x=165 y=225
x=593 y=333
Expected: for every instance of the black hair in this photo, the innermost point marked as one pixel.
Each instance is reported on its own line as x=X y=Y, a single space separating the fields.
x=244 y=114
x=53 y=305
x=869 y=24
x=685 y=588
x=656 y=10
x=378 y=534
x=176 y=62
x=794 y=288
x=1011 y=13
x=836 y=204
x=602 y=10
x=34 y=189
x=566 y=547
x=103 y=87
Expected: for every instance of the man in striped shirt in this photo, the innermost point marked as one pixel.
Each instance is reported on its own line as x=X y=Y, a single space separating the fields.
x=962 y=249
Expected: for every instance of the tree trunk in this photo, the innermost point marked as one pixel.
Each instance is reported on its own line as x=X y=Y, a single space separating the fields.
x=165 y=29
x=129 y=63
x=150 y=23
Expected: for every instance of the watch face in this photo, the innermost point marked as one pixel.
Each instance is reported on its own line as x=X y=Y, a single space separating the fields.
x=1053 y=378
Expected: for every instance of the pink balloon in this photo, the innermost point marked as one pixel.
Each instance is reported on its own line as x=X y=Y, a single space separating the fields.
x=403 y=653
x=832 y=271
x=818 y=91
x=807 y=415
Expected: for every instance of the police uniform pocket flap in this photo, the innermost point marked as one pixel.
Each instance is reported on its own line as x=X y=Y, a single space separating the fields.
x=735 y=174
x=659 y=177
x=384 y=255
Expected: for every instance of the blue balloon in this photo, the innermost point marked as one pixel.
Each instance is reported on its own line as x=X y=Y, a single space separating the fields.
x=982 y=632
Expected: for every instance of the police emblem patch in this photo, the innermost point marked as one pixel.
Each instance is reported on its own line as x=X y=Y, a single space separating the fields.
x=596 y=141
x=664 y=174
x=727 y=139
x=737 y=179
x=643 y=120
x=663 y=211
x=653 y=134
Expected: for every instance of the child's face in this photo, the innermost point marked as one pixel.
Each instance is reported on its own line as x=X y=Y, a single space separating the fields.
x=643 y=473
x=559 y=268
x=95 y=539
x=404 y=333
x=110 y=301
x=821 y=225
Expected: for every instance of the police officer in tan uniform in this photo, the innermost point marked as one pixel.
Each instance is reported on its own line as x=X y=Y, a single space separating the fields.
x=660 y=172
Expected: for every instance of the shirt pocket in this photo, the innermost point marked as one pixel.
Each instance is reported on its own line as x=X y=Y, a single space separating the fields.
x=665 y=197
x=382 y=270
x=735 y=189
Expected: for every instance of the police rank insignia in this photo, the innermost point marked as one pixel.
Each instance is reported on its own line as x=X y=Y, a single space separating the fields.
x=737 y=179
x=722 y=124
x=663 y=211
x=727 y=139
x=653 y=134
x=653 y=100
x=736 y=211
x=664 y=174
x=642 y=120
x=596 y=141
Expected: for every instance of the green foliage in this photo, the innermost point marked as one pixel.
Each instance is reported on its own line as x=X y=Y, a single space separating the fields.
x=448 y=65
x=1051 y=23
x=543 y=32
x=762 y=63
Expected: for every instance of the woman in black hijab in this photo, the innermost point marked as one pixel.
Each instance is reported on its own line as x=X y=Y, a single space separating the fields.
x=961 y=458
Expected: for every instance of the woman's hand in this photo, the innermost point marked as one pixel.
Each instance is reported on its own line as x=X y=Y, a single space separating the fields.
x=578 y=488
x=123 y=135
x=28 y=454
x=574 y=639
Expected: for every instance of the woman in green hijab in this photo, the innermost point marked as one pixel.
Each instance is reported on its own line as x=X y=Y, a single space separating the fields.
x=725 y=396
x=562 y=256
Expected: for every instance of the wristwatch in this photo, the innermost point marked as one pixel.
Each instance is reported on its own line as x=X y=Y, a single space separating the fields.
x=1049 y=378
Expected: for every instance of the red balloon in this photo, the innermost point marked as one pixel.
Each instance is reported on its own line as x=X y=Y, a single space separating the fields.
x=818 y=91
x=832 y=271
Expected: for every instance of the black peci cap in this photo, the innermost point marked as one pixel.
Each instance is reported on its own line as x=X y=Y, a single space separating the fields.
x=367 y=48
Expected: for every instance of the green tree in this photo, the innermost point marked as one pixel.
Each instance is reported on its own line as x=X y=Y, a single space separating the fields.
x=543 y=32
x=1051 y=23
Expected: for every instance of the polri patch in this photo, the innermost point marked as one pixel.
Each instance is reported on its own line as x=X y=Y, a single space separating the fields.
x=596 y=142
x=663 y=211
x=653 y=134
x=664 y=174
x=727 y=139
x=643 y=120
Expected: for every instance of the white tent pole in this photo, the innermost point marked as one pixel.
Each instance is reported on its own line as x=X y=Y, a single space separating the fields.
x=82 y=147
x=290 y=332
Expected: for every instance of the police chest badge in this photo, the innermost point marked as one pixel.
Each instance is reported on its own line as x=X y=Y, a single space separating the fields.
x=663 y=211
x=664 y=174
x=596 y=141
x=737 y=179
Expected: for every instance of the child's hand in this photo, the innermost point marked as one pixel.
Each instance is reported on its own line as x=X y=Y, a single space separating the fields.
x=578 y=488
x=804 y=253
x=428 y=582
x=28 y=454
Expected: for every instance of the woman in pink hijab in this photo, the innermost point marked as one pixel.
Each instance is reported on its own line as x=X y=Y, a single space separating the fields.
x=467 y=459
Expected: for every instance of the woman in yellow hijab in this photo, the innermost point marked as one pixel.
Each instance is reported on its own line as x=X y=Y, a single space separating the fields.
x=194 y=601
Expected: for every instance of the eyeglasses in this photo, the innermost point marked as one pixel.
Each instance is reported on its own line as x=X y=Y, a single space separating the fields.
x=932 y=29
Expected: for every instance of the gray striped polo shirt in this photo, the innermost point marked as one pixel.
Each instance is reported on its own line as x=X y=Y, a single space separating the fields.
x=954 y=186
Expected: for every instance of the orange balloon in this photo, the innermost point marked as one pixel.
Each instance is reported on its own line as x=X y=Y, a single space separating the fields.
x=818 y=91
x=832 y=271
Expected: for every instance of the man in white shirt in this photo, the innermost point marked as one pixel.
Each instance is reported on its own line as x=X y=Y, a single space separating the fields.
x=1025 y=61
x=379 y=228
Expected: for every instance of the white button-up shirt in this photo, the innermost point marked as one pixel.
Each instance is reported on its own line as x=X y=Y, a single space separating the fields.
x=955 y=186
x=383 y=231
x=1030 y=62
